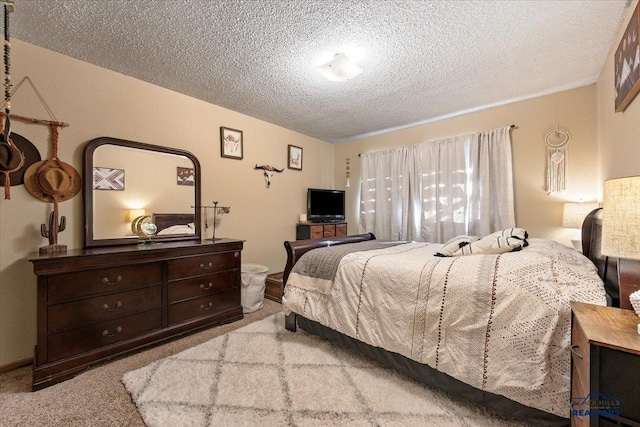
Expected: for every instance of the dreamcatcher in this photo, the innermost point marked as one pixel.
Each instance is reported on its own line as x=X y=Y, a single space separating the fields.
x=557 y=141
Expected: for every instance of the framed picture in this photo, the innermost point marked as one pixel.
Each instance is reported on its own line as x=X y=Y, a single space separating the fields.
x=108 y=179
x=627 y=71
x=185 y=176
x=294 y=158
x=231 y=143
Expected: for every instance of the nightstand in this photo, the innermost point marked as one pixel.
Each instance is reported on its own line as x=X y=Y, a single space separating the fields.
x=274 y=287
x=605 y=366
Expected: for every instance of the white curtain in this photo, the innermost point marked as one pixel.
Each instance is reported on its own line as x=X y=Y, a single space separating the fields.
x=439 y=189
x=384 y=193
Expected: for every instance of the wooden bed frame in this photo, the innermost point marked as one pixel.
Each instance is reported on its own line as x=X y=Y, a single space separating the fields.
x=621 y=277
x=163 y=221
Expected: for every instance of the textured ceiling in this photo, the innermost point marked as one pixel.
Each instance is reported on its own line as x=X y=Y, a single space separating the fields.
x=422 y=60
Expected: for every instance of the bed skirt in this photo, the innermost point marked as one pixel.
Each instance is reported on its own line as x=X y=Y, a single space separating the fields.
x=436 y=379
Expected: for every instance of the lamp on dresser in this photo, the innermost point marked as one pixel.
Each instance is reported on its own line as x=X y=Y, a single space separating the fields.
x=621 y=231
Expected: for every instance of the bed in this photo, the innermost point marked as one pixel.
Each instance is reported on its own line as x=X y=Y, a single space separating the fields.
x=174 y=224
x=515 y=359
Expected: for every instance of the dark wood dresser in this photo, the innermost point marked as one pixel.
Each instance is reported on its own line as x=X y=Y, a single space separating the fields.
x=605 y=366
x=94 y=304
x=321 y=230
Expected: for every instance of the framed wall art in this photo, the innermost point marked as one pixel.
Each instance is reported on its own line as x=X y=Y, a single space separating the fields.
x=294 y=157
x=108 y=179
x=231 y=143
x=185 y=176
x=627 y=65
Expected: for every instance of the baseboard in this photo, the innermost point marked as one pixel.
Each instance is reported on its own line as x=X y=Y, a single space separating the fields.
x=15 y=365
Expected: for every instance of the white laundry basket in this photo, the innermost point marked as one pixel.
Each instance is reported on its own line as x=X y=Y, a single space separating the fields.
x=253 y=284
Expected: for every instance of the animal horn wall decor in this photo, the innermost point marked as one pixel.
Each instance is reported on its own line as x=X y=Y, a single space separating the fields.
x=268 y=171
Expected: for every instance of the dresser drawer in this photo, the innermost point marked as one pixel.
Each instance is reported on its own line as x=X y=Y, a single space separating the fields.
x=62 y=287
x=203 y=285
x=203 y=264
x=341 y=230
x=98 y=335
x=205 y=306
x=329 y=231
x=316 y=232
x=98 y=309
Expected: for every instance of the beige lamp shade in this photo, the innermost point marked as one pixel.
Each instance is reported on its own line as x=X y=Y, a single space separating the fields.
x=621 y=218
x=574 y=213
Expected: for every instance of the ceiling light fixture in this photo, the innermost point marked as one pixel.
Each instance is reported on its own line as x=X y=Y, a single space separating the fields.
x=339 y=69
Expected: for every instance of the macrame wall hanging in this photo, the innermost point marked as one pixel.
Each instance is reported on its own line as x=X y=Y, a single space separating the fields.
x=557 y=141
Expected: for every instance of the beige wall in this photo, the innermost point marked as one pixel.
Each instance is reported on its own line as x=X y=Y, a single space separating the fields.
x=619 y=132
x=97 y=102
x=536 y=211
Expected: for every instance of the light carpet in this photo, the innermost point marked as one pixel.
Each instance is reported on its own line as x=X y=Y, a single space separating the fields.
x=264 y=375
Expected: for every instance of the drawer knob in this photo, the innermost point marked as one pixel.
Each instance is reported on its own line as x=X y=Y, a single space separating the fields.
x=206 y=267
x=574 y=349
x=106 y=280
x=106 y=306
x=206 y=307
x=106 y=332
x=206 y=288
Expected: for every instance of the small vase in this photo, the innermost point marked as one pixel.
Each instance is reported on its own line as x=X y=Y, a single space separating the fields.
x=634 y=298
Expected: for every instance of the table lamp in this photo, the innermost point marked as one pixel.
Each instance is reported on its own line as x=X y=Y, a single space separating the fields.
x=621 y=225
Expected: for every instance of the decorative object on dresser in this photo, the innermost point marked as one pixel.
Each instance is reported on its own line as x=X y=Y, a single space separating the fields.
x=605 y=366
x=218 y=211
x=268 y=171
x=103 y=210
x=231 y=143
x=274 y=287
x=320 y=230
x=52 y=181
x=98 y=303
x=621 y=230
x=294 y=157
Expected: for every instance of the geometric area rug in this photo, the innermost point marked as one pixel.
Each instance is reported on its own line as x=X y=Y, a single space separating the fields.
x=263 y=375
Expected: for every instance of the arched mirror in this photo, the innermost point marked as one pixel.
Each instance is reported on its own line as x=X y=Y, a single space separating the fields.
x=124 y=180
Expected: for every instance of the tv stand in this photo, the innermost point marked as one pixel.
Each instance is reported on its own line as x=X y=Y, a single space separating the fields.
x=319 y=230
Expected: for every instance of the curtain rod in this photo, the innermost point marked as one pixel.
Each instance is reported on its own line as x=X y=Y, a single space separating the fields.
x=510 y=127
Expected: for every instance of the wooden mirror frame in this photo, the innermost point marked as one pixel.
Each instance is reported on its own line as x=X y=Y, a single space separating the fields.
x=87 y=191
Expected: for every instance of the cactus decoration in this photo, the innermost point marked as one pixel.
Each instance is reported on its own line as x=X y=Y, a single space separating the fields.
x=51 y=232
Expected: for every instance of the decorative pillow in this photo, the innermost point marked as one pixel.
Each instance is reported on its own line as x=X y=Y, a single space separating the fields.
x=456 y=243
x=491 y=245
x=519 y=233
x=508 y=240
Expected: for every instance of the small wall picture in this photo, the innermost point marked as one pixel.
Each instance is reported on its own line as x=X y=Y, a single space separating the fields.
x=231 y=143
x=627 y=66
x=294 y=158
x=185 y=176
x=108 y=179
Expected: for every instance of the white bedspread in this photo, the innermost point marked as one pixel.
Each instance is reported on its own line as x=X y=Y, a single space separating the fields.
x=500 y=323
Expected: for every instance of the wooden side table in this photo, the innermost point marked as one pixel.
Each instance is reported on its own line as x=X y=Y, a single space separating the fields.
x=274 y=287
x=605 y=366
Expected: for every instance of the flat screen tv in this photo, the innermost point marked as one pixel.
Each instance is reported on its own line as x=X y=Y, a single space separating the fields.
x=325 y=205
